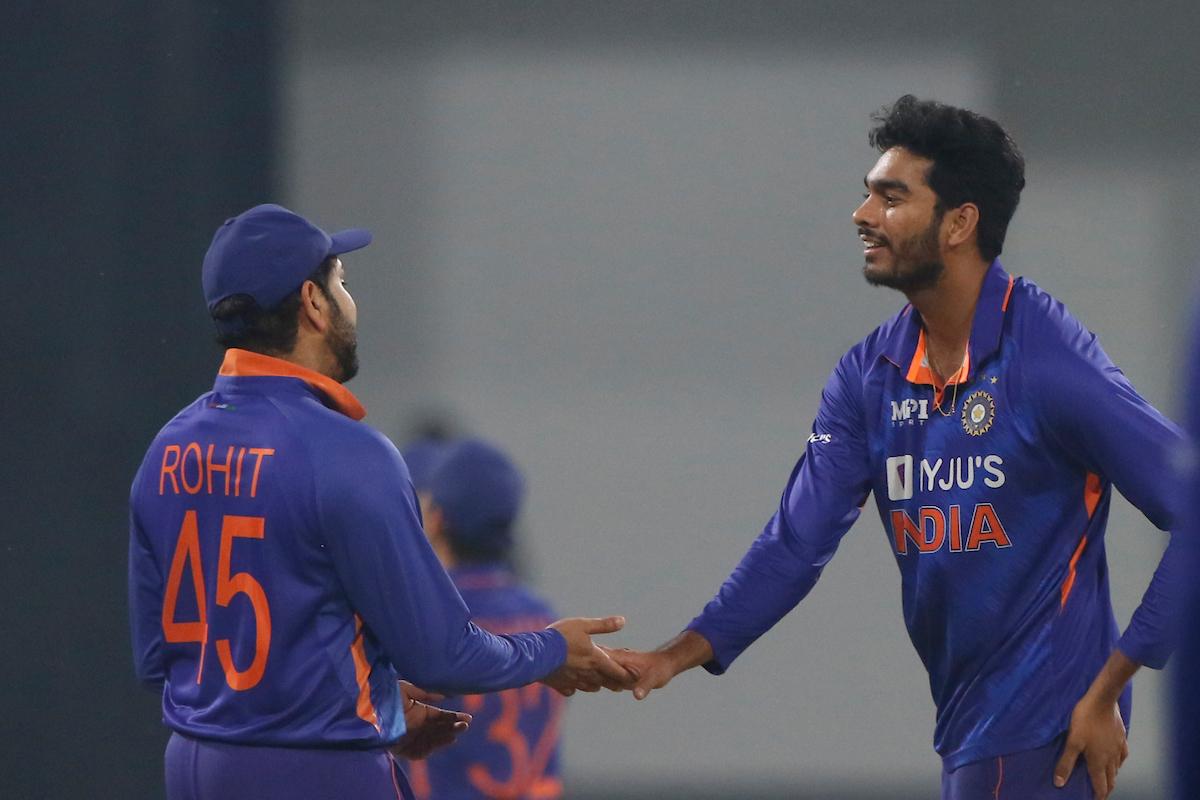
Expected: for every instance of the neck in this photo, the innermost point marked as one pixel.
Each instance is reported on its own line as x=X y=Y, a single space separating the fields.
x=444 y=552
x=948 y=308
x=311 y=353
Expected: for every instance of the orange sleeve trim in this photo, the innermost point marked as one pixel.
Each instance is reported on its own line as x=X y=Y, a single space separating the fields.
x=1000 y=779
x=1008 y=293
x=243 y=363
x=362 y=674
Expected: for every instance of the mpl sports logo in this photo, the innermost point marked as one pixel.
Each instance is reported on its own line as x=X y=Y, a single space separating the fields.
x=910 y=411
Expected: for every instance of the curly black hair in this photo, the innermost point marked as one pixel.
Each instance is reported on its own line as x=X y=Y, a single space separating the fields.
x=974 y=160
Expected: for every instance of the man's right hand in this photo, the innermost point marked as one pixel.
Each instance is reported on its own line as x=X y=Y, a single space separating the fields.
x=588 y=668
x=655 y=669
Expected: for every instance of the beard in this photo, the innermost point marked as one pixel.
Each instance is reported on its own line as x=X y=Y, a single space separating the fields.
x=918 y=264
x=343 y=343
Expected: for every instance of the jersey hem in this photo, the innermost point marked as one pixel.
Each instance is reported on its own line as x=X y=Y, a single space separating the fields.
x=982 y=752
x=307 y=745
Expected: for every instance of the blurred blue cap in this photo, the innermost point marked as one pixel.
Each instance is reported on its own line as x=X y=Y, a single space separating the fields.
x=479 y=491
x=267 y=252
x=421 y=457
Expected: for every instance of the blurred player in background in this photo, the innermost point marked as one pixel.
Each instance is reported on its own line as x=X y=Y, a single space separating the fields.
x=471 y=495
x=280 y=582
x=1185 y=691
x=991 y=427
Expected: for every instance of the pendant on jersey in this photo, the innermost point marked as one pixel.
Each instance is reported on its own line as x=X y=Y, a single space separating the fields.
x=979 y=410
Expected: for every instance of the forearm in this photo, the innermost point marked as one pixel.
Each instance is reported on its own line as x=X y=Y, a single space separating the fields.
x=483 y=662
x=773 y=576
x=687 y=651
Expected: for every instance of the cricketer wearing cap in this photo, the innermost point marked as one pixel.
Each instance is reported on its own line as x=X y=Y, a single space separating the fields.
x=471 y=494
x=991 y=428
x=279 y=579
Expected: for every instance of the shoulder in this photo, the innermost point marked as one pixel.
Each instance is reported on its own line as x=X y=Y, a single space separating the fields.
x=854 y=365
x=174 y=431
x=1061 y=362
x=508 y=609
x=533 y=603
x=1042 y=322
x=354 y=449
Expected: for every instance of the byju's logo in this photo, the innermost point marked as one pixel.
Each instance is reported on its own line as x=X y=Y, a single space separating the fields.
x=909 y=411
x=900 y=477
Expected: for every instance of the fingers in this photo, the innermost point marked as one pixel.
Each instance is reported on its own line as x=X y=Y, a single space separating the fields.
x=1099 y=780
x=414 y=692
x=625 y=658
x=1111 y=774
x=595 y=625
x=611 y=673
x=1066 y=764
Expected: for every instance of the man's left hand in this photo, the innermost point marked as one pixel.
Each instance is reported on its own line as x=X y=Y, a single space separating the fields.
x=1098 y=734
x=428 y=727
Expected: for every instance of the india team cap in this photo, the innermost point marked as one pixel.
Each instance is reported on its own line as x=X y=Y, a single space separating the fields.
x=479 y=490
x=267 y=252
x=421 y=457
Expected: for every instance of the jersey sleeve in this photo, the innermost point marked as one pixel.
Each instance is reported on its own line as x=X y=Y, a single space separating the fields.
x=1092 y=411
x=822 y=499
x=372 y=529
x=145 y=599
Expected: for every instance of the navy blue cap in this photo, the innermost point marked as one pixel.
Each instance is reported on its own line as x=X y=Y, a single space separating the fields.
x=479 y=491
x=267 y=252
x=421 y=457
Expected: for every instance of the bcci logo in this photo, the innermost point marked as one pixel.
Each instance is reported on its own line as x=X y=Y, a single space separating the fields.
x=979 y=411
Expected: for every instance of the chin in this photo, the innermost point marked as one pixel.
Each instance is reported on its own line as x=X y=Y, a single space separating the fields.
x=877 y=276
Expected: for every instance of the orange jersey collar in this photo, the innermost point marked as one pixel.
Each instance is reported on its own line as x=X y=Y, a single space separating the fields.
x=905 y=340
x=245 y=364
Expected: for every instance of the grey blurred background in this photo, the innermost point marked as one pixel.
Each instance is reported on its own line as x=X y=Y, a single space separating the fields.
x=614 y=237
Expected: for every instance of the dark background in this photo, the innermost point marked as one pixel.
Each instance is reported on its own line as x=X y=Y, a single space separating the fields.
x=130 y=129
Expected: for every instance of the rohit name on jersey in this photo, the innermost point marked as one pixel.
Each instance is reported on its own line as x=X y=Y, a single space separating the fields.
x=938 y=527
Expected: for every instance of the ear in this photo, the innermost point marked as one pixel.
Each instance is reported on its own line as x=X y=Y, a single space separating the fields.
x=314 y=308
x=963 y=224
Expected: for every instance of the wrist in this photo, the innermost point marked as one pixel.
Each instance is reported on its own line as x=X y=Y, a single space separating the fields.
x=1107 y=687
x=687 y=650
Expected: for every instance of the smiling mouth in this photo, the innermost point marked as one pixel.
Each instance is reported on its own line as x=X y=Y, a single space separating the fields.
x=872 y=244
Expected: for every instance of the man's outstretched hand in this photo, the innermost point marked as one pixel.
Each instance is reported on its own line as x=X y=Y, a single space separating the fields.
x=588 y=668
x=654 y=670
x=429 y=727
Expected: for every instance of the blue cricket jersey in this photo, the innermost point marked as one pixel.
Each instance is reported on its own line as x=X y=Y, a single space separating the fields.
x=512 y=748
x=994 y=498
x=279 y=578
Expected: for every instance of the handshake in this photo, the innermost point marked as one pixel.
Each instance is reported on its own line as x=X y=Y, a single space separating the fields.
x=590 y=667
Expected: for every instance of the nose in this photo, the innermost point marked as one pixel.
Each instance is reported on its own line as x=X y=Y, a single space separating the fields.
x=864 y=216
